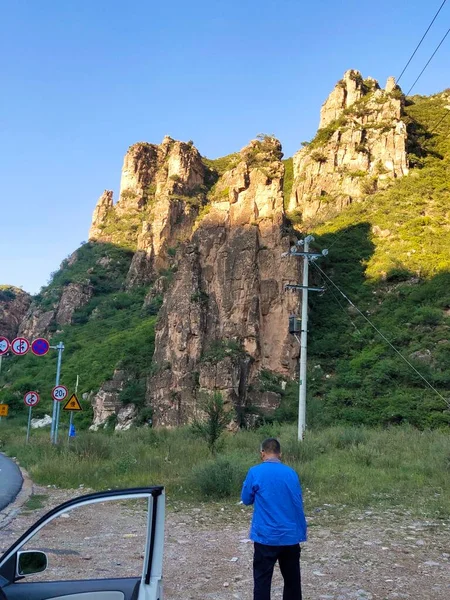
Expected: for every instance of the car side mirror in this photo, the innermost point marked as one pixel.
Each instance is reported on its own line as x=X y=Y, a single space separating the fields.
x=33 y=561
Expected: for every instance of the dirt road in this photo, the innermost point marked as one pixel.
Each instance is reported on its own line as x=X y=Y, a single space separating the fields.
x=349 y=556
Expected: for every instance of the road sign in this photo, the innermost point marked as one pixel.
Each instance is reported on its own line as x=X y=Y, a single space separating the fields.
x=40 y=346
x=31 y=399
x=4 y=410
x=4 y=345
x=59 y=393
x=72 y=403
x=20 y=346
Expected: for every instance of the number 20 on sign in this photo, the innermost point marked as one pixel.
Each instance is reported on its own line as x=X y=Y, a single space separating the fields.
x=59 y=393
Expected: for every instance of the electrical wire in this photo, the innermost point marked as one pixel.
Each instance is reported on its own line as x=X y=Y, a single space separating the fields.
x=423 y=37
x=382 y=335
x=434 y=128
x=429 y=60
x=340 y=305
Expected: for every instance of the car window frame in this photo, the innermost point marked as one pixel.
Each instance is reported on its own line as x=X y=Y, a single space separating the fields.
x=152 y=564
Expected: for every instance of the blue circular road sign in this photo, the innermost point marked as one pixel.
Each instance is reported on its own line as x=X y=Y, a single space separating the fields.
x=40 y=347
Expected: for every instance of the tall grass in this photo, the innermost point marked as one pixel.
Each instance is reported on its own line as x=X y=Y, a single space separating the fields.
x=353 y=466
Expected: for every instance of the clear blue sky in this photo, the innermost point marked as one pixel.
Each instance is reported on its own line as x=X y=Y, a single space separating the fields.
x=81 y=80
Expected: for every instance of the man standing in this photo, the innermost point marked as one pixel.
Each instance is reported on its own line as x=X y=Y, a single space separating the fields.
x=278 y=523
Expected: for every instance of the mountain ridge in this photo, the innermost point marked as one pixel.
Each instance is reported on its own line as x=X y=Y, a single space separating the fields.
x=198 y=242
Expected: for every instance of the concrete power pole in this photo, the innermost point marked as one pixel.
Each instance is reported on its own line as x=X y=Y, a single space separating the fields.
x=305 y=288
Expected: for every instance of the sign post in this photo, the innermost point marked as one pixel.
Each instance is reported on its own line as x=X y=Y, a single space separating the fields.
x=30 y=399
x=68 y=404
x=4 y=347
x=55 y=413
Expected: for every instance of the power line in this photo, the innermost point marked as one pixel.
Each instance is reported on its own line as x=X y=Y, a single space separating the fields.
x=429 y=60
x=340 y=305
x=419 y=44
x=434 y=128
x=383 y=336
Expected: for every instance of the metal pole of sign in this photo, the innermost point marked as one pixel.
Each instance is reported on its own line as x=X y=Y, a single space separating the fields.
x=55 y=413
x=1 y=356
x=29 y=423
x=71 y=413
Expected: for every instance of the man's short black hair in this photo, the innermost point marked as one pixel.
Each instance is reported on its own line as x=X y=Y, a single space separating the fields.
x=271 y=446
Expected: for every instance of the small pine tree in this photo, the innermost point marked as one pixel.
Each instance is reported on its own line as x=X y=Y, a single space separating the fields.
x=215 y=422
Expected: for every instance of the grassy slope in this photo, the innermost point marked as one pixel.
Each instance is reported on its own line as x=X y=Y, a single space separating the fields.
x=356 y=467
x=401 y=279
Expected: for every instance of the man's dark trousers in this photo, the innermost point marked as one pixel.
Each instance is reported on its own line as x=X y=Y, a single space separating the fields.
x=264 y=561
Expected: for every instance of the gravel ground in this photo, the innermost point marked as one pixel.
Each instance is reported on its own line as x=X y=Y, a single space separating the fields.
x=349 y=555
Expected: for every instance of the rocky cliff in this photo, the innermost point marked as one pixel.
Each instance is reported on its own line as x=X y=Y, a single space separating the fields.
x=217 y=241
x=161 y=191
x=224 y=319
x=14 y=304
x=360 y=146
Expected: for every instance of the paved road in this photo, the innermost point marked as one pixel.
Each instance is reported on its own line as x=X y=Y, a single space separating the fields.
x=10 y=481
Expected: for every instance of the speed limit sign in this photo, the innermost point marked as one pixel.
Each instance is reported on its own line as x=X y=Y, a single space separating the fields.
x=59 y=393
x=31 y=399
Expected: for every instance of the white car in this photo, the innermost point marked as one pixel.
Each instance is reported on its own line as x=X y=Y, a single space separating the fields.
x=17 y=564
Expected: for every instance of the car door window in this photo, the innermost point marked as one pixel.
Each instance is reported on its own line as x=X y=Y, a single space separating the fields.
x=105 y=540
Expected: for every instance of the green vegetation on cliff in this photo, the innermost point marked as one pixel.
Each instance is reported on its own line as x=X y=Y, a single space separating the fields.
x=390 y=254
x=113 y=330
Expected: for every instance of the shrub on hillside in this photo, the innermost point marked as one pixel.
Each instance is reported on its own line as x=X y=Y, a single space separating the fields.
x=219 y=479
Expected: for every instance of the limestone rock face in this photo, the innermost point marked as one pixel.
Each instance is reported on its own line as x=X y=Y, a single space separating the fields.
x=360 y=146
x=36 y=322
x=14 y=304
x=74 y=296
x=224 y=317
x=104 y=205
x=106 y=402
x=160 y=196
x=39 y=322
x=347 y=91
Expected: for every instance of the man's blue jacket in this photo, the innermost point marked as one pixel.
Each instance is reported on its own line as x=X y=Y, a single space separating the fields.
x=275 y=491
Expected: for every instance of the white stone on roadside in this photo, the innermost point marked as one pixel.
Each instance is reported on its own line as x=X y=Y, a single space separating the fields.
x=226 y=584
x=38 y=423
x=234 y=559
x=319 y=574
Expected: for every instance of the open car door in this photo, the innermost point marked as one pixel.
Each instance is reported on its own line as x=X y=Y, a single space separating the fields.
x=29 y=570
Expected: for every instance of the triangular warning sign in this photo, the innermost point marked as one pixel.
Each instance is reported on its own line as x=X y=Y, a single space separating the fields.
x=72 y=403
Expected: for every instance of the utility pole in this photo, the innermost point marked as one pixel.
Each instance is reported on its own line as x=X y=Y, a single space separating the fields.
x=55 y=413
x=305 y=288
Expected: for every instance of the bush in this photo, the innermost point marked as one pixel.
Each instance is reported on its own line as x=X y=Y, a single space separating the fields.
x=318 y=156
x=219 y=479
x=133 y=392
